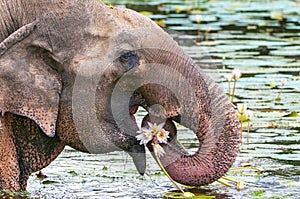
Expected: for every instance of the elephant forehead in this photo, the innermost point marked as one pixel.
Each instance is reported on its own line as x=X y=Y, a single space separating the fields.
x=112 y=22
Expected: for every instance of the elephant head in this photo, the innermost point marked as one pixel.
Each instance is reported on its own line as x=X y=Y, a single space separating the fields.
x=75 y=72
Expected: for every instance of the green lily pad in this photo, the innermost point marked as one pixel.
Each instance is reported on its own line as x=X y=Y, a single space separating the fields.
x=49 y=182
x=254 y=62
x=258 y=193
x=157 y=17
x=73 y=173
x=176 y=22
x=287 y=157
x=284 y=52
x=177 y=16
x=292 y=114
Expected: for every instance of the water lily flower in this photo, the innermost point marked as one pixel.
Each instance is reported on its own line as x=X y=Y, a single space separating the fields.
x=198 y=18
x=242 y=108
x=145 y=135
x=236 y=74
x=158 y=150
x=249 y=114
x=228 y=77
x=153 y=131
x=162 y=136
x=283 y=81
x=155 y=128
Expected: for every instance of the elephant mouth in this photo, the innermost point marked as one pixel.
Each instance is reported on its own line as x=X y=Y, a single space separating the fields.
x=137 y=101
x=154 y=114
x=132 y=111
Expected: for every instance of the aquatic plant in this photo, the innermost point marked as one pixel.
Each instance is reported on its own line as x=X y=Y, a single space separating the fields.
x=198 y=20
x=9 y=194
x=234 y=76
x=158 y=135
x=283 y=82
x=228 y=78
x=207 y=33
x=244 y=115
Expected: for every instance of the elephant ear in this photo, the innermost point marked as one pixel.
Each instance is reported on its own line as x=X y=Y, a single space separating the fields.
x=29 y=87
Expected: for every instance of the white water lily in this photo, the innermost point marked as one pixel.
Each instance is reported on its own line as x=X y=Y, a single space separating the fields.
x=144 y=136
x=283 y=81
x=153 y=130
x=249 y=114
x=158 y=150
x=228 y=77
x=236 y=74
x=162 y=136
x=198 y=18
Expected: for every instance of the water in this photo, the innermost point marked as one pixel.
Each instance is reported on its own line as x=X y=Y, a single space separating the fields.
x=262 y=39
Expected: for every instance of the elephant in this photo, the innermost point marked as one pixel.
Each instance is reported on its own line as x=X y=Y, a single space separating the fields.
x=74 y=73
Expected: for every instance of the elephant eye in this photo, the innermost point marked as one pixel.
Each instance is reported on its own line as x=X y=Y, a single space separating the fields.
x=129 y=60
x=50 y=61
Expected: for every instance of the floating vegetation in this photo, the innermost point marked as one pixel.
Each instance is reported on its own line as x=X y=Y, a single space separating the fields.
x=73 y=173
x=258 y=193
x=9 y=194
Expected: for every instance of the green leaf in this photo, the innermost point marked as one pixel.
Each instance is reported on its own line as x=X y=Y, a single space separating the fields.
x=12 y=194
x=258 y=193
x=272 y=83
x=73 y=173
x=157 y=174
x=146 y=13
x=292 y=114
x=49 y=182
x=277 y=99
x=276 y=15
x=105 y=168
x=241 y=118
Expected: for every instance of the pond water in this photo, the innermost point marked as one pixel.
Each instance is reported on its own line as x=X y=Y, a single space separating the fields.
x=262 y=39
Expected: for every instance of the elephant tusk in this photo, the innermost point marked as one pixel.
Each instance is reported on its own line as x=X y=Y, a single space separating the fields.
x=139 y=158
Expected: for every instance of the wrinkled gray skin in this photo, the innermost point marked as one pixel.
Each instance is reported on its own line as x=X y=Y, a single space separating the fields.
x=74 y=72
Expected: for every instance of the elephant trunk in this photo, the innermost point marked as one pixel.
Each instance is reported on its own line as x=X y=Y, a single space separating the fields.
x=215 y=155
x=195 y=101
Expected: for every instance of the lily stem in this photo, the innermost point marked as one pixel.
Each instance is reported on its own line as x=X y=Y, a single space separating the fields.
x=229 y=89
x=248 y=131
x=164 y=170
x=232 y=96
x=237 y=181
x=225 y=183
x=280 y=91
x=199 y=32
x=241 y=130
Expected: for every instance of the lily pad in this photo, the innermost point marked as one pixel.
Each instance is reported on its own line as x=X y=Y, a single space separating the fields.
x=157 y=17
x=285 y=52
x=179 y=16
x=176 y=22
x=291 y=115
x=287 y=157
